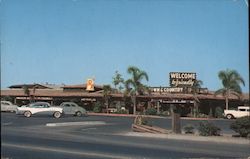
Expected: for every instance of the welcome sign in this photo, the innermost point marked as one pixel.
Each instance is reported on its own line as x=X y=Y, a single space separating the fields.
x=182 y=79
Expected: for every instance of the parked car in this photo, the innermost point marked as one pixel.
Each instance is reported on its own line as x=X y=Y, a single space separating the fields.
x=39 y=108
x=240 y=112
x=7 y=106
x=73 y=109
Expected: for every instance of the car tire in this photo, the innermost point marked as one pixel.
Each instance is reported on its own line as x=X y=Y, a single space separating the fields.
x=57 y=114
x=230 y=116
x=79 y=113
x=27 y=114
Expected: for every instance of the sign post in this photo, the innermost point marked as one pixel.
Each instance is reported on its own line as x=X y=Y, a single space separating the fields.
x=176 y=123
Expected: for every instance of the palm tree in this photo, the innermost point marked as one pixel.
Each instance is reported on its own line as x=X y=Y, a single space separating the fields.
x=231 y=81
x=107 y=95
x=134 y=87
x=195 y=89
x=26 y=91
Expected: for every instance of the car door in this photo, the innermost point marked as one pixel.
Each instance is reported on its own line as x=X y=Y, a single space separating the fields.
x=37 y=108
x=40 y=108
x=67 y=108
x=74 y=108
x=4 y=106
x=242 y=112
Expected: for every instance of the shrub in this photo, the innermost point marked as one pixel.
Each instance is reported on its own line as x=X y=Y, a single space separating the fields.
x=141 y=120
x=122 y=111
x=189 y=129
x=151 y=111
x=241 y=126
x=201 y=115
x=208 y=129
x=165 y=113
x=218 y=112
x=97 y=107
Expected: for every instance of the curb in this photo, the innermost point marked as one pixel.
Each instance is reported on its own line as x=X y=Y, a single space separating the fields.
x=217 y=139
x=150 y=116
x=115 y=115
x=124 y=115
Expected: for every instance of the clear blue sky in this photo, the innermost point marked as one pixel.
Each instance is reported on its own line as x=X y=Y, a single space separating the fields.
x=68 y=41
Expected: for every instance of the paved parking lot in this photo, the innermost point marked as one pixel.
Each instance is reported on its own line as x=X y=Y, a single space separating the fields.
x=100 y=137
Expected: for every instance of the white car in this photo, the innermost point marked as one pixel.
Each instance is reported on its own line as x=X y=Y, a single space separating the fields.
x=39 y=108
x=242 y=111
x=7 y=106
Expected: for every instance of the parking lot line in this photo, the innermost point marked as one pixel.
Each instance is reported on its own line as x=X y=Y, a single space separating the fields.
x=83 y=123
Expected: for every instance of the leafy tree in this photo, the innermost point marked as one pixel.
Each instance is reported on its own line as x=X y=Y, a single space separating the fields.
x=107 y=95
x=117 y=79
x=219 y=112
x=134 y=87
x=231 y=81
x=195 y=89
x=97 y=107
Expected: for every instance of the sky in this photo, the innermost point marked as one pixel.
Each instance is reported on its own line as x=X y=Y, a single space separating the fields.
x=69 y=41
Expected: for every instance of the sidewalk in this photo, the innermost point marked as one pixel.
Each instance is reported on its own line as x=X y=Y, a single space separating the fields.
x=187 y=137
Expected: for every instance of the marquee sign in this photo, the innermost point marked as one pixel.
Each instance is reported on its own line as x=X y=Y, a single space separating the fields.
x=166 y=89
x=182 y=79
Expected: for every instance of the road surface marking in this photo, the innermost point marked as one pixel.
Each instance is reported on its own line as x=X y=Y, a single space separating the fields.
x=88 y=129
x=5 y=124
x=83 y=123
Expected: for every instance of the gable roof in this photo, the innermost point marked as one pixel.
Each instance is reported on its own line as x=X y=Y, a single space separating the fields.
x=82 y=86
x=30 y=86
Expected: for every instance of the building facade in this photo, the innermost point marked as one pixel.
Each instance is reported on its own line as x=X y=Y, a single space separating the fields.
x=160 y=98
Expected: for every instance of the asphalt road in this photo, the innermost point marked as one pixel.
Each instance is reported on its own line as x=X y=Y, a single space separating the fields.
x=31 y=138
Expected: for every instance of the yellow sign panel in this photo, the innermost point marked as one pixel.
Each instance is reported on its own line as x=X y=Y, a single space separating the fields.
x=90 y=85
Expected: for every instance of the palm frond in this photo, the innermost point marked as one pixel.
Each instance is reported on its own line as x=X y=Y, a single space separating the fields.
x=235 y=87
x=236 y=94
x=220 y=91
x=142 y=75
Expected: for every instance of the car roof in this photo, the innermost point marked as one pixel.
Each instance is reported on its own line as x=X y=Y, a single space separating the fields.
x=5 y=101
x=244 y=107
x=40 y=103
x=68 y=102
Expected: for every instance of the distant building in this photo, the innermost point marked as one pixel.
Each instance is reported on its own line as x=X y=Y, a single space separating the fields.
x=161 y=97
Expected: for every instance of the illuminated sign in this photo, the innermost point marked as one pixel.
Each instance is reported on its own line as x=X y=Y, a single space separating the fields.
x=90 y=85
x=181 y=79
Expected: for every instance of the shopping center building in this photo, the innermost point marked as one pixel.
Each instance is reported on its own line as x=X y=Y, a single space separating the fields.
x=179 y=93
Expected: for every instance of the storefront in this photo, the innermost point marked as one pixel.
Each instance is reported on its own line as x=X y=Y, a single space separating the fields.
x=160 y=98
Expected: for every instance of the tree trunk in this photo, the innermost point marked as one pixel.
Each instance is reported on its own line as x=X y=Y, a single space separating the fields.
x=134 y=102
x=196 y=109
x=107 y=106
x=158 y=107
x=176 y=124
x=226 y=102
